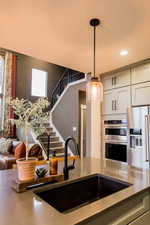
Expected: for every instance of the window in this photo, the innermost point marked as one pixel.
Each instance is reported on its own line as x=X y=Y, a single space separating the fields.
x=39 y=83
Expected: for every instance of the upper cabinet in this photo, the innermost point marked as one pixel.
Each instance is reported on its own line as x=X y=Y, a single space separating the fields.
x=129 y=87
x=116 y=101
x=108 y=103
x=117 y=80
x=140 y=74
x=123 y=99
x=141 y=94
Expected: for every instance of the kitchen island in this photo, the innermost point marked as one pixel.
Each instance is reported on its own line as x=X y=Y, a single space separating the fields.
x=122 y=207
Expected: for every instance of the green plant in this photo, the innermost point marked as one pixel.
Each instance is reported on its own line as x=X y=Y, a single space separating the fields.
x=30 y=116
x=41 y=172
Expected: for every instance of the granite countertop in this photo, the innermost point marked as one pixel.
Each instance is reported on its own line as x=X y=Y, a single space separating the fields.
x=28 y=209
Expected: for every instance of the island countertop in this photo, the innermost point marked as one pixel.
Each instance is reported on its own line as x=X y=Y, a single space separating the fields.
x=28 y=209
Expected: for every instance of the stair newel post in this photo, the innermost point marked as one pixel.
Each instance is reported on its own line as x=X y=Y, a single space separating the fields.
x=48 y=146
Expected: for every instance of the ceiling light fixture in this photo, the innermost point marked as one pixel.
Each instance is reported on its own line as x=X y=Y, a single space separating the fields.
x=124 y=52
x=95 y=86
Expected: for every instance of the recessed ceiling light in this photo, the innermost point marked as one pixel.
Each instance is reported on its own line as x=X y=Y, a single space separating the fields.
x=124 y=52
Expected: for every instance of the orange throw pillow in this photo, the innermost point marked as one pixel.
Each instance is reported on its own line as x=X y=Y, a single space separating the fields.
x=20 y=151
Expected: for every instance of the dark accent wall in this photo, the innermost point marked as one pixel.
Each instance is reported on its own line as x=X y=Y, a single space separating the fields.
x=24 y=75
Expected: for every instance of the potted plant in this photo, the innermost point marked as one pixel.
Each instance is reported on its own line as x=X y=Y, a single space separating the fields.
x=30 y=117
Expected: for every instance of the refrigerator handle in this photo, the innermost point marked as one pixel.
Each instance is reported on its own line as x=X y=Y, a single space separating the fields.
x=147 y=137
x=130 y=117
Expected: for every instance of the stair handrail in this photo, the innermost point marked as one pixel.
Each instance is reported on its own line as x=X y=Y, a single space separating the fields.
x=69 y=80
x=61 y=78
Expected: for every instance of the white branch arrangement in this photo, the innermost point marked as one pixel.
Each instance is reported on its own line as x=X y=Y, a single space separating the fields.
x=31 y=116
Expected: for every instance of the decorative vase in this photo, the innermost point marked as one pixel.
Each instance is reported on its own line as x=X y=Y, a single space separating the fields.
x=26 y=169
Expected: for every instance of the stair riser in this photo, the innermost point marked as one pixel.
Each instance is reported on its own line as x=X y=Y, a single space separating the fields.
x=51 y=134
x=52 y=145
x=57 y=151
x=46 y=125
x=59 y=155
x=49 y=129
x=52 y=139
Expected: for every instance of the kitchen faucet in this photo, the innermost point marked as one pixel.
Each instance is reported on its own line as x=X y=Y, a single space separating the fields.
x=70 y=167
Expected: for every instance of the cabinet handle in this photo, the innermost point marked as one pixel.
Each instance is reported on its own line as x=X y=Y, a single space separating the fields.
x=112 y=81
x=112 y=105
x=147 y=137
x=115 y=104
x=115 y=80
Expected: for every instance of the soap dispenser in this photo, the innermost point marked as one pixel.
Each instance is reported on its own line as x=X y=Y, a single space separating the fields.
x=53 y=164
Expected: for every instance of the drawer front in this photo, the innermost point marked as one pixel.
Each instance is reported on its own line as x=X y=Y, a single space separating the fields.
x=124 y=212
x=142 y=220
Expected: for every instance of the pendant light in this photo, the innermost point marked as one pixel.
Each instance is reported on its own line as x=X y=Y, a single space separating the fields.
x=95 y=87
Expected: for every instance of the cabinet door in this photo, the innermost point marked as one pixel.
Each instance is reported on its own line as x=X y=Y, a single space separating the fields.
x=141 y=94
x=140 y=74
x=122 y=79
x=124 y=212
x=108 y=103
x=116 y=101
x=142 y=220
x=123 y=99
x=108 y=82
x=117 y=80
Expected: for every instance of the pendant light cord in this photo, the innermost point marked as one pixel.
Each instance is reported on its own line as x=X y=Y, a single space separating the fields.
x=94 y=48
x=94 y=22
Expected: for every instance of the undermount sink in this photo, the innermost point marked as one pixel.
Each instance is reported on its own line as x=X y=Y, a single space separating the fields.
x=68 y=196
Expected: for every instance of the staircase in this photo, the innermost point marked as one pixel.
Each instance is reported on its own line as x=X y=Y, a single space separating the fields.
x=51 y=143
x=50 y=140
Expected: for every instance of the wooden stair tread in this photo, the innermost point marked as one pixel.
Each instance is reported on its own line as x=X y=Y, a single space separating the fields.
x=55 y=148
x=46 y=137
x=53 y=142
x=58 y=154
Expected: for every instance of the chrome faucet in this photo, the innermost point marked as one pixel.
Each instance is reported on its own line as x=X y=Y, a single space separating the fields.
x=70 y=167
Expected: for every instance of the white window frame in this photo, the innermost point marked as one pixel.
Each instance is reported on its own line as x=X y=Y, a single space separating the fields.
x=46 y=79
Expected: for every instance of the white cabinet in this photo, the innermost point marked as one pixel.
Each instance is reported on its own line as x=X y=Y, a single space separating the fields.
x=117 y=80
x=124 y=212
x=141 y=94
x=108 y=82
x=116 y=101
x=123 y=99
x=108 y=103
x=142 y=220
x=140 y=74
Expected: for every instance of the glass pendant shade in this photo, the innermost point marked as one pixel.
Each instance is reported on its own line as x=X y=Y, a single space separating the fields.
x=94 y=90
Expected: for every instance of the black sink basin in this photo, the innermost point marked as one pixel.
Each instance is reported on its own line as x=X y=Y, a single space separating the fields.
x=68 y=196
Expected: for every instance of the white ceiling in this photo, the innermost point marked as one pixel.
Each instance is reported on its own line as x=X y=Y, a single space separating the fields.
x=58 y=31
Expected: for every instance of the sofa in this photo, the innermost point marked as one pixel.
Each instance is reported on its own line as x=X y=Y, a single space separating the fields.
x=8 y=158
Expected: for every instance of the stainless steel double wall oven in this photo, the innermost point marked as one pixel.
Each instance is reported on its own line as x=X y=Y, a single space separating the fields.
x=115 y=139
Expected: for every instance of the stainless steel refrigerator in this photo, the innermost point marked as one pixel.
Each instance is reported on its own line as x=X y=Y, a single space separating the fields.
x=139 y=136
